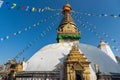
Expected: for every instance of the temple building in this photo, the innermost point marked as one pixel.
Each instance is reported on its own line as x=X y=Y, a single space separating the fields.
x=69 y=59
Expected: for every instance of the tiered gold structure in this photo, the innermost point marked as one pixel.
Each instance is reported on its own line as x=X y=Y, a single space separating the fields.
x=76 y=66
x=12 y=67
x=67 y=30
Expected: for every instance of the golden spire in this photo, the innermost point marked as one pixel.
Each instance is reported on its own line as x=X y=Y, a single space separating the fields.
x=67 y=17
x=66 y=8
x=67 y=30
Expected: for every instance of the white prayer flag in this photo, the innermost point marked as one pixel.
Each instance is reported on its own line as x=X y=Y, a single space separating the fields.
x=1 y=2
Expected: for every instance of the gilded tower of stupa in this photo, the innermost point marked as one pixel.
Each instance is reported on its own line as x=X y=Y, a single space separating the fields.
x=67 y=30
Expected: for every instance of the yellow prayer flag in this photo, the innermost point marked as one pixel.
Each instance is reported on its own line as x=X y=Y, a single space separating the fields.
x=13 y=6
x=33 y=9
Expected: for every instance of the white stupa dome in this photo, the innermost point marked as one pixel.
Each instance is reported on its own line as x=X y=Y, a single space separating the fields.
x=47 y=58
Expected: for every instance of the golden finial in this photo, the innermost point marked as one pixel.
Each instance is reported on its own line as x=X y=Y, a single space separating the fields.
x=67 y=7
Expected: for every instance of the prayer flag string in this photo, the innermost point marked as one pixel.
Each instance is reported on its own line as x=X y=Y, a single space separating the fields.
x=98 y=15
x=29 y=8
x=42 y=34
x=96 y=33
x=28 y=28
x=103 y=33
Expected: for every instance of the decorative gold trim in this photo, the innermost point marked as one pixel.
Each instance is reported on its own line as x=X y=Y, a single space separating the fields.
x=76 y=62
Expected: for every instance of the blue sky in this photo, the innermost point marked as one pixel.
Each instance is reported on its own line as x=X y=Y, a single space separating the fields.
x=14 y=20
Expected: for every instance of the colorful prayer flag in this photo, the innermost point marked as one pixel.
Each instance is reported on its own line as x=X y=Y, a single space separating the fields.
x=19 y=32
x=25 y=29
x=42 y=10
x=105 y=15
x=14 y=34
x=7 y=37
x=48 y=8
x=27 y=8
x=33 y=9
x=115 y=16
x=1 y=39
x=13 y=6
x=38 y=23
x=1 y=2
x=24 y=7
x=29 y=27
x=89 y=14
x=118 y=50
x=34 y=25
x=39 y=10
